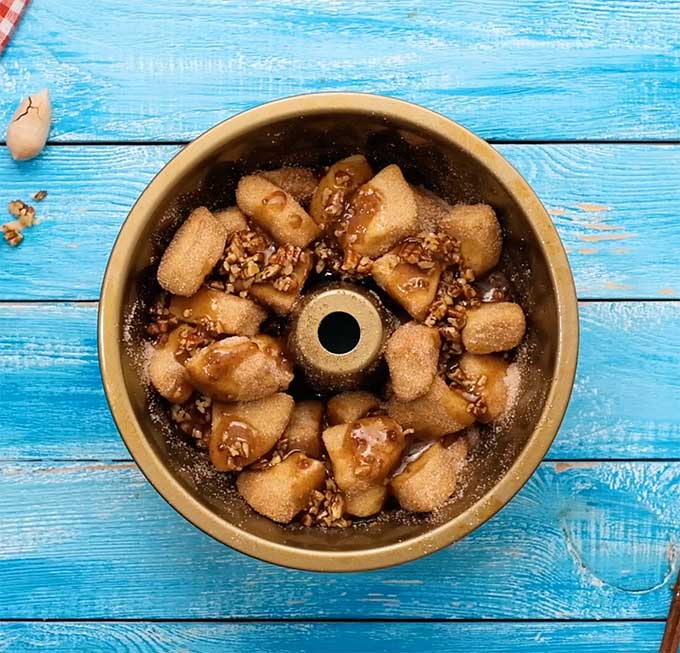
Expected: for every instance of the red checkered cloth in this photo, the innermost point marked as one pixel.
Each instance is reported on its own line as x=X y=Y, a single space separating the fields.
x=10 y=14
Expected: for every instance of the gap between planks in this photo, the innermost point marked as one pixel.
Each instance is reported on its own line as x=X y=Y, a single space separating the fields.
x=561 y=464
x=335 y=620
x=587 y=300
x=490 y=141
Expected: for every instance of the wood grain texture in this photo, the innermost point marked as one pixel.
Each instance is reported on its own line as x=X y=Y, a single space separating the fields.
x=625 y=398
x=48 y=365
x=530 y=637
x=615 y=207
x=90 y=539
x=51 y=386
x=595 y=541
x=550 y=70
x=90 y=192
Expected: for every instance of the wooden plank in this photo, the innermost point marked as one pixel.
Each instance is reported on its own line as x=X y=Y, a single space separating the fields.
x=395 y=637
x=90 y=191
x=624 y=403
x=549 y=70
x=625 y=398
x=49 y=368
x=616 y=208
x=594 y=541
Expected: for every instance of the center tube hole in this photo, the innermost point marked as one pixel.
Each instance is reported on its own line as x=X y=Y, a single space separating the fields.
x=339 y=332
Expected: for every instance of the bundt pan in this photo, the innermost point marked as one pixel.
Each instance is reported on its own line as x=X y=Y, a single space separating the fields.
x=316 y=130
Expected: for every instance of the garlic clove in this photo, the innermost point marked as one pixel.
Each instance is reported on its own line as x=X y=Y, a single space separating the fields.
x=30 y=126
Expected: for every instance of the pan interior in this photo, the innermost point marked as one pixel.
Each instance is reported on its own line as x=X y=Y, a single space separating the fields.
x=426 y=159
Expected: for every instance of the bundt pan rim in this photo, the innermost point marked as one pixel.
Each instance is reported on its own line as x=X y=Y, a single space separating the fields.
x=123 y=265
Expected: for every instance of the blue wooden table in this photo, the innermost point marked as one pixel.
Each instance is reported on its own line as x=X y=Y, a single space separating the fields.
x=582 y=97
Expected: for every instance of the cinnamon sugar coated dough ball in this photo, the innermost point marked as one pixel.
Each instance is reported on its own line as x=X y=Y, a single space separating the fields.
x=431 y=209
x=280 y=302
x=221 y=312
x=427 y=482
x=476 y=228
x=412 y=355
x=231 y=219
x=240 y=369
x=192 y=253
x=280 y=492
x=410 y=286
x=298 y=182
x=495 y=390
x=364 y=453
x=244 y=431
x=303 y=432
x=337 y=186
x=343 y=465
x=166 y=373
x=438 y=412
x=382 y=212
x=366 y=503
x=493 y=327
x=349 y=406
x=276 y=211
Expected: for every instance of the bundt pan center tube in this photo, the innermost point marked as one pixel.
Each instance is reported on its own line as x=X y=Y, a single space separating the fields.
x=337 y=337
x=337 y=332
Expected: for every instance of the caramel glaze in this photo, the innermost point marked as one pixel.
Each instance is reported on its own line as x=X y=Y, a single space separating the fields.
x=274 y=203
x=366 y=203
x=410 y=285
x=376 y=444
x=173 y=344
x=221 y=362
x=231 y=442
x=273 y=348
x=336 y=188
x=410 y=278
x=188 y=338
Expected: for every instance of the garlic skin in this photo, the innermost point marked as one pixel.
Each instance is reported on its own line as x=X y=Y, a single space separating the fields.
x=30 y=126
